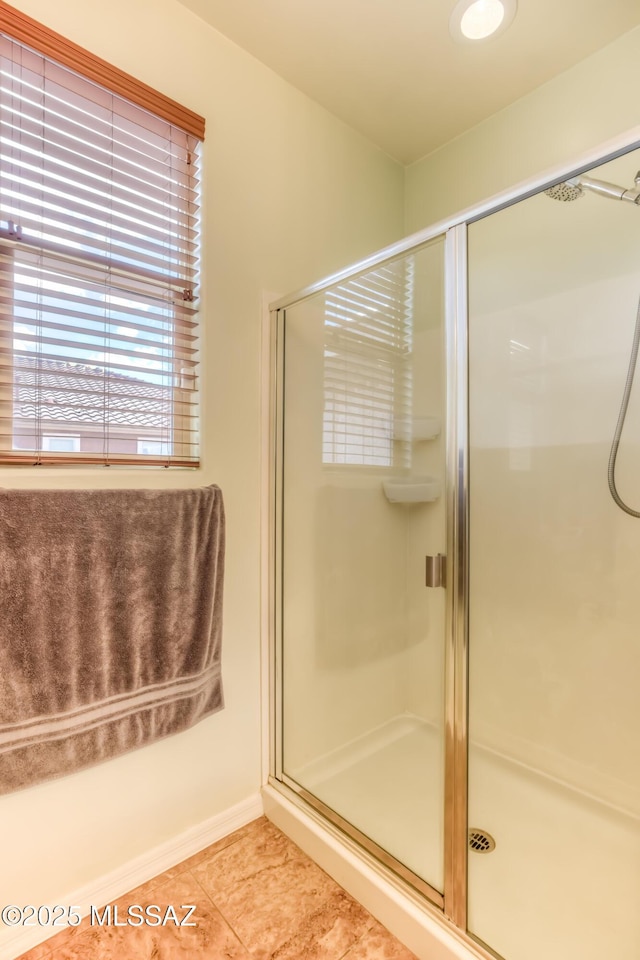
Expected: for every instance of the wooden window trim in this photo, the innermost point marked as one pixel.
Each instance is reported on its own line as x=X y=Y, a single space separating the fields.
x=80 y=73
x=36 y=35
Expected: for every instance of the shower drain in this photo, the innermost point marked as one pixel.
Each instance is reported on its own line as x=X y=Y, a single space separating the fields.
x=481 y=841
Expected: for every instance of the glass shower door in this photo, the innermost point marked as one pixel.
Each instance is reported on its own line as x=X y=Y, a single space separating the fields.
x=554 y=771
x=362 y=637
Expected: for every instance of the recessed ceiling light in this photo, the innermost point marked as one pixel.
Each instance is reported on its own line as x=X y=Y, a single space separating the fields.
x=479 y=19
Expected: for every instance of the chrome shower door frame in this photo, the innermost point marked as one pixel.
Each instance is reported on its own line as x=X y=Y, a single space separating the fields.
x=457 y=620
x=453 y=905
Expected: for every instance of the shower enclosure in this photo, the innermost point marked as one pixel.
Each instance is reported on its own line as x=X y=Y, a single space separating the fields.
x=455 y=640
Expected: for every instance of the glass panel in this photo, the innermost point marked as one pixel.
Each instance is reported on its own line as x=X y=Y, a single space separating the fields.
x=363 y=638
x=554 y=573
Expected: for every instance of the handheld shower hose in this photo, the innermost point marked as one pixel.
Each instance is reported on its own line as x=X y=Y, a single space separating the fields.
x=573 y=190
x=611 y=472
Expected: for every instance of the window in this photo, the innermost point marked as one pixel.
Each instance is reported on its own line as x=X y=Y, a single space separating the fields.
x=65 y=444
x=367 y=369
x=153 y=448
x=99 y=242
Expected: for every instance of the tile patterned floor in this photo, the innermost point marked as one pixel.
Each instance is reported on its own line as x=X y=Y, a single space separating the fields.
x=258 y=896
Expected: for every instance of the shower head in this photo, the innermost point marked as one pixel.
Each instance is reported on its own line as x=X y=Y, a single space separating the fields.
x=565 y=191
x=575 y=188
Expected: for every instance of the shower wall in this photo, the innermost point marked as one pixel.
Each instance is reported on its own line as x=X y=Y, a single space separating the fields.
x=554 y=776
x=342 y=677
x=547 y=376
x=423 y=667
x=554 y=292
x=364 y=634
x=362 y=637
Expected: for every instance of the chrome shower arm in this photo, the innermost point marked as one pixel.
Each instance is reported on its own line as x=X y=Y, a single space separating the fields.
x=606 y=189
x=600 y=186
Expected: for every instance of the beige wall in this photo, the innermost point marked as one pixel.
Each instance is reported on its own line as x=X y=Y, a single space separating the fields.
x=287 y=198
x=583 y=107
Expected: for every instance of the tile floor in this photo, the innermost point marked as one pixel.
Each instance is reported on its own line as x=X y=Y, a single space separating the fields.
x=258 y=897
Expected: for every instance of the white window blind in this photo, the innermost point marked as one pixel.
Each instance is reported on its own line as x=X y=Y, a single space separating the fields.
x=98 y=272
x=367 y=369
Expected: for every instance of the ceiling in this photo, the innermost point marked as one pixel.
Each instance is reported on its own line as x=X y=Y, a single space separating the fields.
x=390 y=69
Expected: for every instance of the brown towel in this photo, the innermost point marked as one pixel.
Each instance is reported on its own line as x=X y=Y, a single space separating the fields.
x=110 y=623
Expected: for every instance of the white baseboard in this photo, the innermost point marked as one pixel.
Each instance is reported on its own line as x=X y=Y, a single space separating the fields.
x=112 y=885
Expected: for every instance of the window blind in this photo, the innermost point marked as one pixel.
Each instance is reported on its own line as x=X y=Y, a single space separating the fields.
x=367 y=369
x=98 y=272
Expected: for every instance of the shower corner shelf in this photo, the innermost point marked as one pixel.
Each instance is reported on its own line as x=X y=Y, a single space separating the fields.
x=417 y=428
x=411 y=489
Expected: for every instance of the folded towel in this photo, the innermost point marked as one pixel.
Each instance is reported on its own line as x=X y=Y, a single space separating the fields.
x=110 y=623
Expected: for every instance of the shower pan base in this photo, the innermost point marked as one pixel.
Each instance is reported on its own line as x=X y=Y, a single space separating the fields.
x=528 y=812
x=388 y=782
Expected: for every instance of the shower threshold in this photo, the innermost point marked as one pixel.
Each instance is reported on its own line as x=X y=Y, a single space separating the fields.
x=413 y=918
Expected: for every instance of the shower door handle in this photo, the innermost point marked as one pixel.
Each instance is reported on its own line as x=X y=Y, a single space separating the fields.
x=436 y=572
